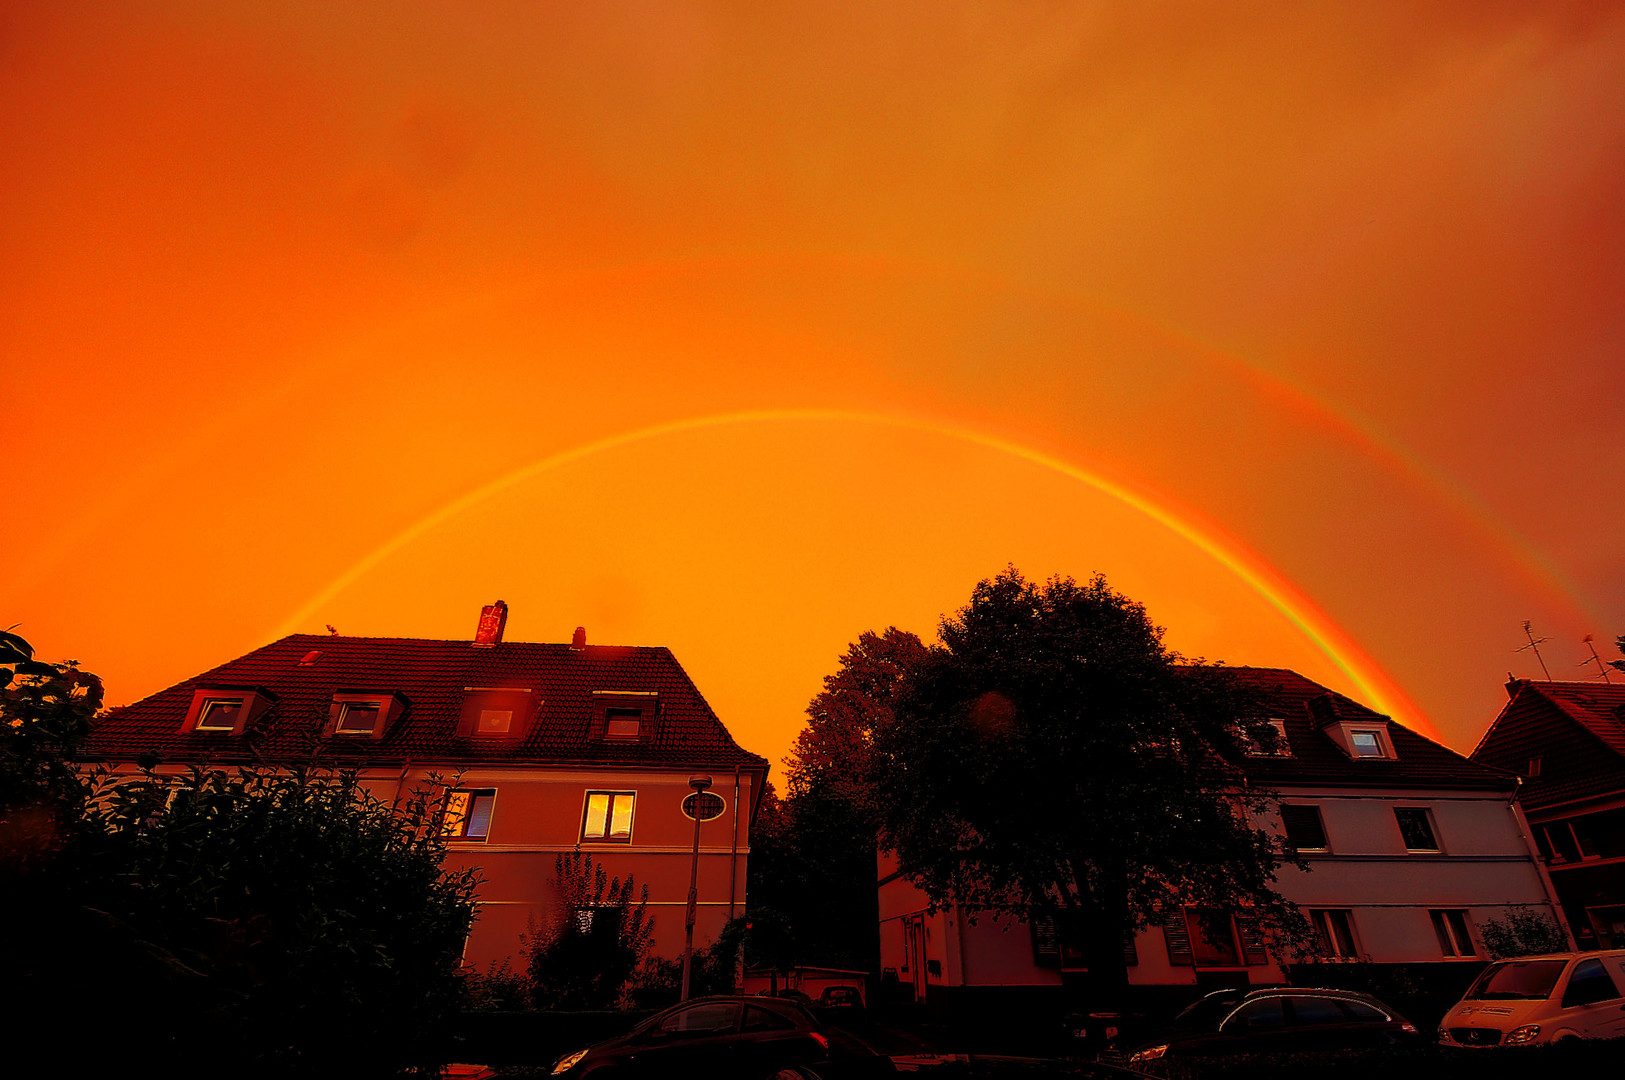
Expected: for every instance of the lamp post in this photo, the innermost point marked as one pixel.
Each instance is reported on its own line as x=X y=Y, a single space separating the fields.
x=699 y=784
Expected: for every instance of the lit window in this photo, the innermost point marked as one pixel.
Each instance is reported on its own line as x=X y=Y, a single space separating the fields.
x=1450 y=926
x=494 y=721
x=357 y=718
x=468 y=814
x=609 y=816
x=1367 y=744
x=1303 y=827
x=1334 y=930
x=1416 y=826
x=622 y=724
x=219 y=714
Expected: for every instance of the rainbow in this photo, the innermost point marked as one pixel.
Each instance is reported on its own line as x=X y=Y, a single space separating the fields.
x=1363 y=673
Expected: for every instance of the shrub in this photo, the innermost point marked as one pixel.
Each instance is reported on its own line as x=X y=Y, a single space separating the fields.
x=1523 y=932
x=584 y=956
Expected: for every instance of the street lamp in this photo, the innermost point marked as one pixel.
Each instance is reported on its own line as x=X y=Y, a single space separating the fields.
x=699 y=784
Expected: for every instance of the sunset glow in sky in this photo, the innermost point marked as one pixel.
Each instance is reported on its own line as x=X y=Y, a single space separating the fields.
x=745 y=328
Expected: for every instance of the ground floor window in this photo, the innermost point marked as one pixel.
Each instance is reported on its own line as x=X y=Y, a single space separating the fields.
x=1334 y=930
x=1450 y=925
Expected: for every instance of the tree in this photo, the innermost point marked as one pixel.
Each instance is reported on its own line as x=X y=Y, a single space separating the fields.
x=282 y=917
x=1523 y=932
x=1053 y=754
x=812 y=865
x=583 y=957
x=1619 y=643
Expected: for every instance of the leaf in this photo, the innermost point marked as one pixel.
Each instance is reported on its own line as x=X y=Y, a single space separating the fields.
x=13 y=649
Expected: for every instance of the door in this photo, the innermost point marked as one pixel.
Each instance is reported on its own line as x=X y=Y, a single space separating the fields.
x=914 y=941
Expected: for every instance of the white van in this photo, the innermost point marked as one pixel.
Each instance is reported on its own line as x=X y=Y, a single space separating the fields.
x=1541 y=999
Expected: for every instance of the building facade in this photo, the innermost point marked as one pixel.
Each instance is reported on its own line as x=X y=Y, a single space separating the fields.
x=1566 y=740
x=1410 y=849
x=548 y=749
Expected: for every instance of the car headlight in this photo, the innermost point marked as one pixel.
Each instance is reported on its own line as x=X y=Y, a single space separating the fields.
x=567 y=1062
x=1150 y=1053
x=1519 y=1036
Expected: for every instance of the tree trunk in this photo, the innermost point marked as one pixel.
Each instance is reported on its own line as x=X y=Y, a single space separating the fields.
x=1105 y=930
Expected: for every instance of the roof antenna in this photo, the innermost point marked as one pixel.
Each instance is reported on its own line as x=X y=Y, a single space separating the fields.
x=1534 y=646
x=1595 y=659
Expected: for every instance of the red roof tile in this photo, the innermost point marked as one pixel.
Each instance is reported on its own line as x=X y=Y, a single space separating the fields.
x=431 y=676
x=1576 y=729
x=1316 y=759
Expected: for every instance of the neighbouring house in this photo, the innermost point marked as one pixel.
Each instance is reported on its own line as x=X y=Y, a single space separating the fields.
x=1411 y=847
x=549 y=747
x=1566 y=740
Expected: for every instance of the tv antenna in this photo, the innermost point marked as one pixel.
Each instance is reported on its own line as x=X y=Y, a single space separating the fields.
x=1534 y=646
x=1595 y=659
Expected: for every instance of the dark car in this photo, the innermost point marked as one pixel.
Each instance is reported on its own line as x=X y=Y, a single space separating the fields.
x=752 y=1038
x=1275 y=1020
x=841 y=1004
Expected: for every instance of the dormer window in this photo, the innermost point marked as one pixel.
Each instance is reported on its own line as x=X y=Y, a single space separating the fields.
x=356 y=714
x=219 y=714
x=621 y=725
x=624 y=715
x=225 y=710
x=1367 y=743
x=1256 y=742
x=358 y=718
x=496 y=712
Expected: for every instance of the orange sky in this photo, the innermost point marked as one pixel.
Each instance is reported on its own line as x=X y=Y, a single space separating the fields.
x=1334 y=289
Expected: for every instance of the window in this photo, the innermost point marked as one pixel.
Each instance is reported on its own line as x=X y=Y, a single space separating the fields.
x=1265 y=1014
x=1304 y=830
x=1451 y=928
x=1416 y=826
x=1589 y=984
x=494 y=722
x=1534 y=768
x=219 y=714
x=358 y=718
x=712 y=1018
x=609 y=816
x=1311 y=1011
x=1367 y=744
x=1213 y=940
x=1257 y=741
x=1334 y=930
x=1557 y=843
x=496 y=712
x=468 y=814
x=622 y=724
x=763 y=1020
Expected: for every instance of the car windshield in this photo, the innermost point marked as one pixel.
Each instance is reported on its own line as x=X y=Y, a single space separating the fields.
x=1530 y=979
x=1204 y=1015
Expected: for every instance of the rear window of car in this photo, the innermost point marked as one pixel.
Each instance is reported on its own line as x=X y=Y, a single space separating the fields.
x=1522 y=979
x=1204 y=1015
x=758 y=1019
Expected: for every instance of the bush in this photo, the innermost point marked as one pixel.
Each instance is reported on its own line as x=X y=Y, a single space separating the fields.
x=1523 y=932
x=585 y=955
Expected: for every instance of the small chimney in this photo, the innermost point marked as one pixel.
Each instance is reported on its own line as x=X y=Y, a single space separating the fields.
x=1513 y=682
x=493 y=618
x=579 y=640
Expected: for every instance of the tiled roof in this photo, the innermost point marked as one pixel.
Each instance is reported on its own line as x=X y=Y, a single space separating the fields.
x=1316 y=759
x=1576 y=729
x=431 y=676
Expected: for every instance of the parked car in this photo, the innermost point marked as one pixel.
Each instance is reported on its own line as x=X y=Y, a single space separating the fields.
x=841 y=1004
x=1541 y=999
x=1277 y=1019
x=752 y=1038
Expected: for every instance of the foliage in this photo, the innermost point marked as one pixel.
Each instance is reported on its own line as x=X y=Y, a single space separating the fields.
x=1523 y=932
x=812 y=865
x=314 y=914
x=658 y=981
x=1051 y=753
x=499 y=988
x=285 y=918
x=585 y=955
x=1619 y=643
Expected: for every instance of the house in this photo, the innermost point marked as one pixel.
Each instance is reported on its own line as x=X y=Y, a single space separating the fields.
x=1410 y=846
x=550 y=748
x=1566 y=740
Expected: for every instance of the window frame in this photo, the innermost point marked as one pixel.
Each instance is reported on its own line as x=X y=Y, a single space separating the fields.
x=1324 y=923
x=1455 y=941
x=1383 y=751
x=522 y=702
x=608 y=837
x=467 y=816
x=646 y=703
x=1320 y=819
x=208 y=706
x=390 y=705
x=252 y=703
x=1429 y=823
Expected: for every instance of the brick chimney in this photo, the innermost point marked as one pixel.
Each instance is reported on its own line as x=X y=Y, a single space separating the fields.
x=493 y=618
x=579 y=640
